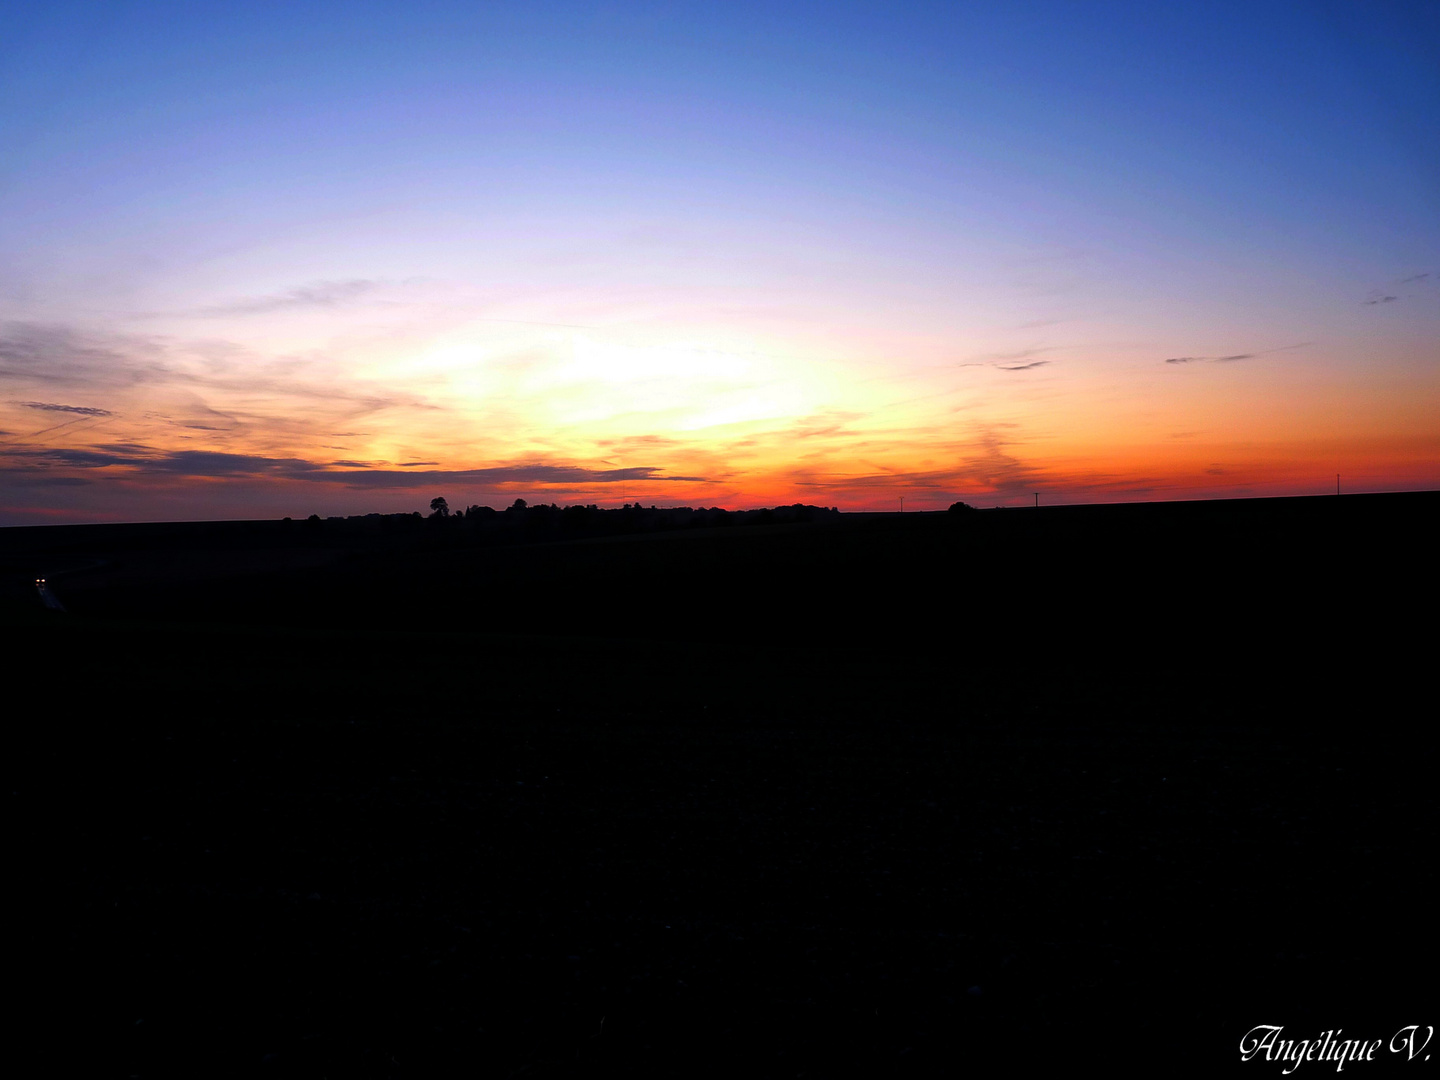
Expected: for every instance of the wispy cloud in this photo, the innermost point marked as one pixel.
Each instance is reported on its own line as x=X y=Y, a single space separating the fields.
x=992 y=466
x=1022 y=354
x=985 y=462
x=48 y=406
x=319 y=294
x=1016 y=360
x=1233 y=356
x=180 y=386
x=42 y=353
x=1384 y=296
x=829 y=424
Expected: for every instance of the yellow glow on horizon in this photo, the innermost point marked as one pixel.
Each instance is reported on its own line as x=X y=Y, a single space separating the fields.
x=755 y=420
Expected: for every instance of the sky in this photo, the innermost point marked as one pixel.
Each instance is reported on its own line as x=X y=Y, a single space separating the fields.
x=260 y=260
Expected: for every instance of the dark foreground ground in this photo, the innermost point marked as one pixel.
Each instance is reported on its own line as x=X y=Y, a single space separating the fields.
x=1077 y=787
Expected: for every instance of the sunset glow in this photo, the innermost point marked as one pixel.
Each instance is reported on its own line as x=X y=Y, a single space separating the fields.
x=255 y=265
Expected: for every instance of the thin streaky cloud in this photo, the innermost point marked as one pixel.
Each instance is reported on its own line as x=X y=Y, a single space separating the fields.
x=57 y=427
x=48 y=406
x=54 y=355
x=320 y=294
x=986 y=359
x=1018 y=360
x=45 y=353
x=1022 y=354
x=1231 y=358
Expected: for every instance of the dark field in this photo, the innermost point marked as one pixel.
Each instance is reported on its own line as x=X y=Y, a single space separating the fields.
x=879 y=795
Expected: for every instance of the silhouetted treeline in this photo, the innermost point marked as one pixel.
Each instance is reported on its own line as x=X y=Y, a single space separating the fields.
x=521 y=521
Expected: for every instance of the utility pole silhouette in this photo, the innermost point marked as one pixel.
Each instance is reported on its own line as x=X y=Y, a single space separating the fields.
x=902 y=504
x=1037 y=500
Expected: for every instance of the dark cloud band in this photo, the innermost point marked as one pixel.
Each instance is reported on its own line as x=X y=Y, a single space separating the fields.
x=217 y=465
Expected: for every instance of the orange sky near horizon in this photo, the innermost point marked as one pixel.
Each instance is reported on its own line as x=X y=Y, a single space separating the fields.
x=487 y=411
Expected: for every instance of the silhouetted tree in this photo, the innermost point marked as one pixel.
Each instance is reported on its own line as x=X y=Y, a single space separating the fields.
x=961 y=508
x=439 y=508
